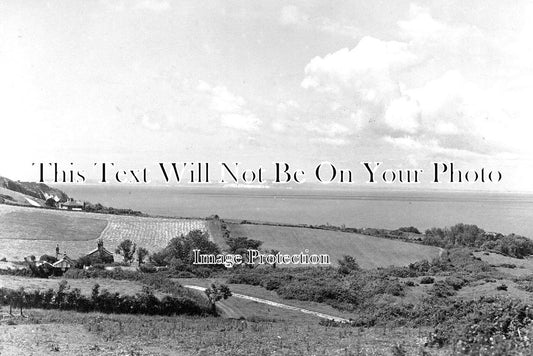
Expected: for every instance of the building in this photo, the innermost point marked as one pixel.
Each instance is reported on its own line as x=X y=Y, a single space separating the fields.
x=99 y=254
x=64 y=263
x=72 y=204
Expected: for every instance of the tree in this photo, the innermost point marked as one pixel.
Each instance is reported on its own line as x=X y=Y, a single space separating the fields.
x=51 y=203
x=348 y=264
x=127 y=250
x=179 y=250
x=273 y=252
x=141 y=255
x=216 y=293
x=241 y=244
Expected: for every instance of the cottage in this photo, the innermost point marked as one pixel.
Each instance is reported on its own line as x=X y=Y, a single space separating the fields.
x=99 y=255
x=72 y=204
x=64 y=263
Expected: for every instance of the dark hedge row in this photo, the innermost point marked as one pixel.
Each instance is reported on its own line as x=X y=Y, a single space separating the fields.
x=101 y=301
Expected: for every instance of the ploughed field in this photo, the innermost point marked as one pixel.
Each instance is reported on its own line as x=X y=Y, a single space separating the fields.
x=369 y=251
x=29 y=231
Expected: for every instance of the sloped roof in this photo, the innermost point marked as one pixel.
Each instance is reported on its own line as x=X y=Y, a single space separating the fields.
x=105 y=251
x=64 y=259
x=72 y=203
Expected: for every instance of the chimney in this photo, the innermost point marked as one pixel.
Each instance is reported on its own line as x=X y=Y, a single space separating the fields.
x=57 y=251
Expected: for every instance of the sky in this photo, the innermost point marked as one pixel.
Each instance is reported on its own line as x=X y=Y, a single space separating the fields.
x=145 y=81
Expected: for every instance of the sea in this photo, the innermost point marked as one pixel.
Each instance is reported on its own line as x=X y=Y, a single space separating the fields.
x=494 y=212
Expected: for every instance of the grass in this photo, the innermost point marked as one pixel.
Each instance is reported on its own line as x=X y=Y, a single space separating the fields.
x=39 y=225
x=95 y=334
x=28 y=231
x=369 y=251
x=12 y=197
x=260 y=292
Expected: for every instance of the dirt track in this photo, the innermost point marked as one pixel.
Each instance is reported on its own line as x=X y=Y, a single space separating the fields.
x=274 y=304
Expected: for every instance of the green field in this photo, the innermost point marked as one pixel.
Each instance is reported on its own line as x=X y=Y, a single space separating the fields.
x=39 y=225
x=30 y=231
x=369 y=251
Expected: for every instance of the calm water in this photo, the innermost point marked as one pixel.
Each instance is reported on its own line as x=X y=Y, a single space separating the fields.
x=504 y=213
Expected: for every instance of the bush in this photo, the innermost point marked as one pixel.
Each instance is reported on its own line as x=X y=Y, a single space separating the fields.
x=410 y=283
x=147 y=268
x=455 y=282
x=501 y=287
x=442 y=290
x=411 y=229
x=427 y=280
x=185 y=274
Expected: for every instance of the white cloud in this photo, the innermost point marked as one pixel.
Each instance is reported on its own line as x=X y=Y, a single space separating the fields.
x=403 y=114
x=367 y=71
x=230 y=108
x=241 y=121
x=329 y=133
x=293 y=16
x=421 y=24
x=412 y=93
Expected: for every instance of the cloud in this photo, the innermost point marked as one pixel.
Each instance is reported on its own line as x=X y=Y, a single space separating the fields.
x=293 y=16
x=412 y=93
x=329 y=133
x=367 y=71
x=230 y=108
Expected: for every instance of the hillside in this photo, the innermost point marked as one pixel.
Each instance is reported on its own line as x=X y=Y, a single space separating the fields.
x=25 y=231
x=15 y=198
x=369 y=251
x=34 y=190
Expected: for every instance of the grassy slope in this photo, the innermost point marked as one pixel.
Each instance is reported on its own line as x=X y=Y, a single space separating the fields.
x=260 y=292
x=369 y=251
x=18 y=198
x=27 y=231
x=70 y=333
x=40 y=225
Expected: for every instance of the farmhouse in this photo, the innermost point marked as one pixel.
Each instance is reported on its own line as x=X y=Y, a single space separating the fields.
x=72 y=204
x=64 y=263
x=100 y=254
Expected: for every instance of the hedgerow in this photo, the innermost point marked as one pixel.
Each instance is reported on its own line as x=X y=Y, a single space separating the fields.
x=103 y=301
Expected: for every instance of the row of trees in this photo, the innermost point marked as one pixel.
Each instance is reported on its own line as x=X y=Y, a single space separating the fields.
x=464 y=235
x=127 y=249
x=103 y=301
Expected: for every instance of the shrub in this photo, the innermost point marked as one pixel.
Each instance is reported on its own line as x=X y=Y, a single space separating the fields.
x=455 y=282
x=442 y=290
x=147 y=268
x=427 y=280
x=410 y=283
x=507 y=265
x=502 y=286
x=185 y=274
x=411 y=229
